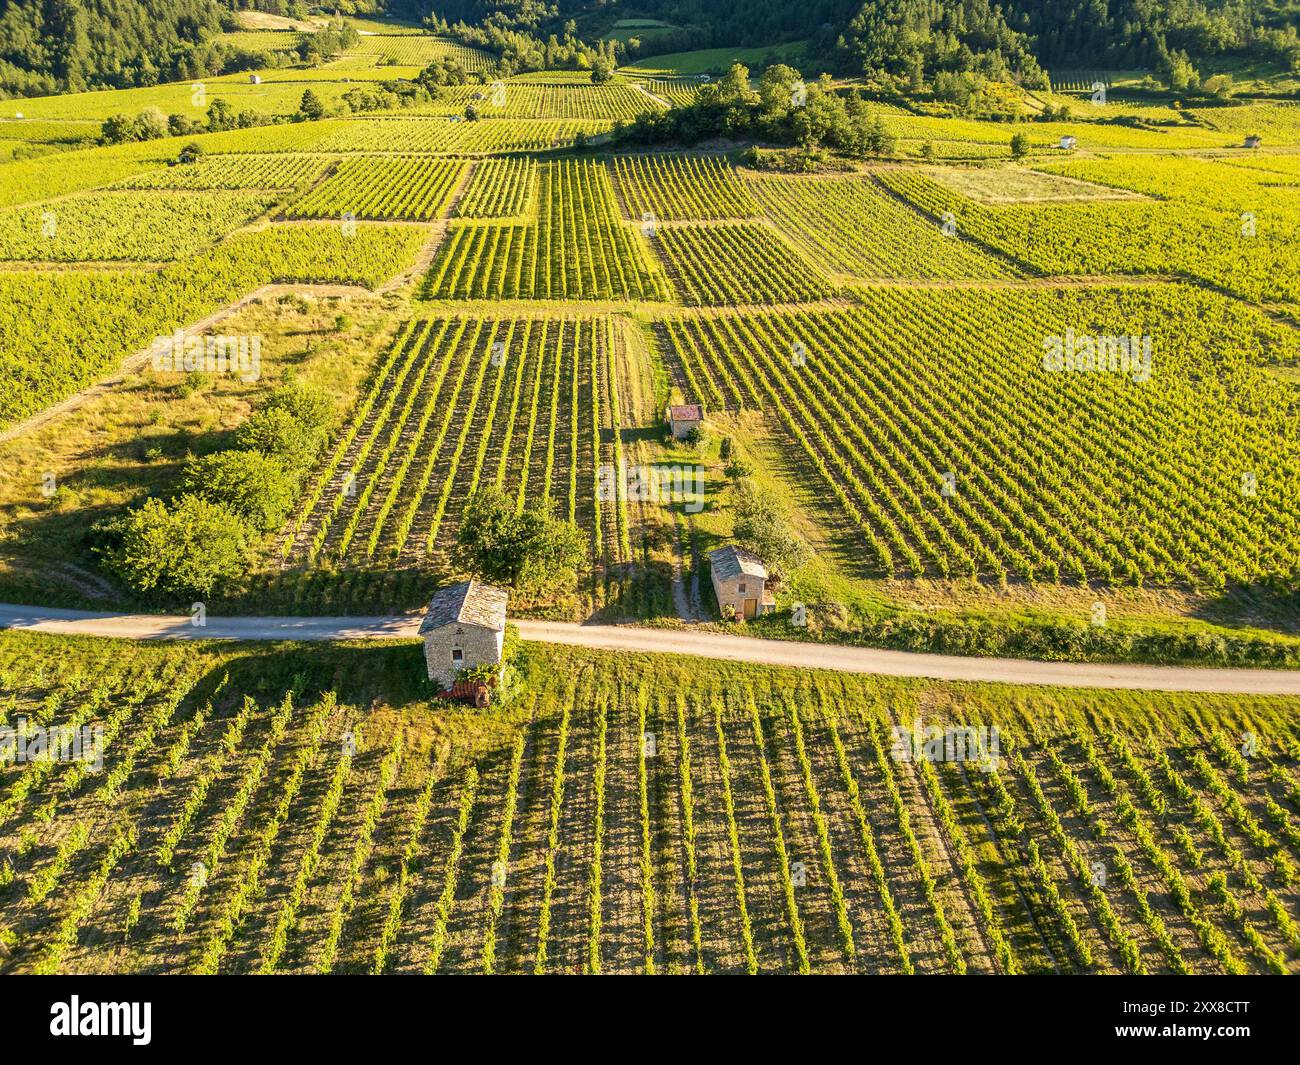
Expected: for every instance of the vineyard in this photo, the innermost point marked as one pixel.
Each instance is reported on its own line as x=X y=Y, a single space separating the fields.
x=61 y=330
x=458 y=403
x=394 y=187
x=854 y=226
x=1215 y=183
x=451 y=136
x=500 y=188
x=1121 y=237
x=517 y=100
x=931 y=421
x=742 y=263
x=578 y=248
x=678 y=187
x=307 y=810
x=869 y=337
x=106 y=226
x=419 y=50
x=233 y=172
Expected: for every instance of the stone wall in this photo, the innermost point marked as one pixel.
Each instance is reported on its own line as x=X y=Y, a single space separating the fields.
x=479 y=645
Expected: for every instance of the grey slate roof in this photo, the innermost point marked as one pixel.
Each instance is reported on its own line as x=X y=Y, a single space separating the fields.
x=731 y=561
x=468 y=603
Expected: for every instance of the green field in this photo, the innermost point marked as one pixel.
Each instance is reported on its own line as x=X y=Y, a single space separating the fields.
x=714 y=61
x=301 y=809
x=855 y=336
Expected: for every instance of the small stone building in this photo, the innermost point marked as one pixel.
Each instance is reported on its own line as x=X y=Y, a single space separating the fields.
x=1068 y=143
x=684 y=417
x=740 y=582
x=464 y=628
x=255 y=79
x=1253 y=141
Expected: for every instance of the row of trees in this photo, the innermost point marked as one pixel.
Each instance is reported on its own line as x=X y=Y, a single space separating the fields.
x=782 y=110
x=152 y=123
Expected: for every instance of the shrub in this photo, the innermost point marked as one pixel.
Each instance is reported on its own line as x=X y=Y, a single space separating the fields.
x=276 y=432
x=249 y=483
x=185 y=548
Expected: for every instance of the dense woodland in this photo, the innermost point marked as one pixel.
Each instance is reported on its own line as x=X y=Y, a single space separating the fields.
x=899 y=36
x=69 y=45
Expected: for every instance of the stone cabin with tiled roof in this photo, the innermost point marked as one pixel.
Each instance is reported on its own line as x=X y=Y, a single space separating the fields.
x=683 y=417
x=740 y=583
x=464 y=628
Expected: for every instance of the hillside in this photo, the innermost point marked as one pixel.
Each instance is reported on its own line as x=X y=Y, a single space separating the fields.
x=50 y=47
x=66 y=47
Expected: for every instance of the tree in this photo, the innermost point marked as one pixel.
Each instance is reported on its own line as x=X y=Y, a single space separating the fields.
x=1178 y=72
x=1219 y=86
x=290 y=426
x=761 y=526
x=118 y=129
x=276 y=432
x=530 y=550
x=186 y=548
x=220 y=116
x=191 y=153
x=1019 y=145
x=310 y=107
x=150 y=124
x=251 y=484
x=602 y=71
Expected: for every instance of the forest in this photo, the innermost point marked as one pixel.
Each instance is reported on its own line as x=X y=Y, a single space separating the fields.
x=54 y=46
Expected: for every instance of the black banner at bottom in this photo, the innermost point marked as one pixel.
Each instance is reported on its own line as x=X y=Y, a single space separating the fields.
x=339 y=1014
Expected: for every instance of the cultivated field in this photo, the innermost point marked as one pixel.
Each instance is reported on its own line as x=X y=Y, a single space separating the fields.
x=868 y=343
x=955 y=454
x=307 y=810
x=461 y=402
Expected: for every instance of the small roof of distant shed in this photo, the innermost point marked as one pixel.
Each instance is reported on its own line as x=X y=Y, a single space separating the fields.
x=467 y=603
x=686 y=412
x=731 y=561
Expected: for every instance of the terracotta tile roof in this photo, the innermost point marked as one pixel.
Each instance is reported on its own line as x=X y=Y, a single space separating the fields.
x=470 y=603
x=686 y=412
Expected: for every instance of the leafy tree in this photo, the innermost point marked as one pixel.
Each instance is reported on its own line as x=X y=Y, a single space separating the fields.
x=150 y=124
x=251 y=484
x=276 y=432
x=220 y=116
x=311 y=406
x=186 y=548
x=118 y=129
x=1219 y=86
x=1019 y=145
x=191 y=153
x=602 y=72
x=761 y=525
x=180 y=125
x=311 y=107
x=1178 y=72
x=530 y=550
